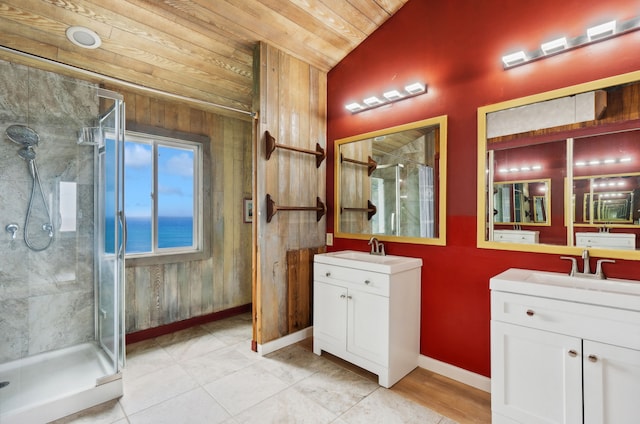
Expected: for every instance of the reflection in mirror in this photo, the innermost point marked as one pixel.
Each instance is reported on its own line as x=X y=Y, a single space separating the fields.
x=390 y=183
x=608 y=207
x=521 y=202
x=606 y=180
x=584 y=141
x=608 y=200
x=540 y=209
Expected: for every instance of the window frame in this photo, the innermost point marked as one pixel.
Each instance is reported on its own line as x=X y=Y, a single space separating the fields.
x=202 y=198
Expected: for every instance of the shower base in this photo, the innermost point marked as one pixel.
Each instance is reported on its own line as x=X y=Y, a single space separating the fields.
x=48 y=386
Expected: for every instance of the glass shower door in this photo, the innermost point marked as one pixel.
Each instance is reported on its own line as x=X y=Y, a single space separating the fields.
x=111 y=229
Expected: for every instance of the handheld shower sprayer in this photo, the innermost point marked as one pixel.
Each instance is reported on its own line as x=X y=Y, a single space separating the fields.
x=28 y=139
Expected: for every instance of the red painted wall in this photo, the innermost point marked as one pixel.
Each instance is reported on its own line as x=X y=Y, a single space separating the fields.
x=456 y=48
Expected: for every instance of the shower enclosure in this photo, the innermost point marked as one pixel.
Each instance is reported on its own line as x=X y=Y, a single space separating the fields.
x=61 y=242
x=404 y=196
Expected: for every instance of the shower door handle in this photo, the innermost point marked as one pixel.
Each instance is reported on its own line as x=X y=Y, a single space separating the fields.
x=123 y=222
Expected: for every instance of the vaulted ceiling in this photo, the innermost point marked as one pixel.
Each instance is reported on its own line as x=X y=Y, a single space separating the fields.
x=199 y=49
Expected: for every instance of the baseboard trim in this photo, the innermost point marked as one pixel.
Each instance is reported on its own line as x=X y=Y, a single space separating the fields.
x=161 y=330
x=455 y=373
x=451 y=371
x=284 y=341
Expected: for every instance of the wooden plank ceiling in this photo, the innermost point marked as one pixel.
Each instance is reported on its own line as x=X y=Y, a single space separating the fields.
x=200 y=49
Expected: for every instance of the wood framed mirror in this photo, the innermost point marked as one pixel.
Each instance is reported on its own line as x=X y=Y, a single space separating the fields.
x=391 y=183
x=584 y=140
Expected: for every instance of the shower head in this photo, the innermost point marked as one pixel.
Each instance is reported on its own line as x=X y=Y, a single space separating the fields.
x=23 y=135
x=27 y=153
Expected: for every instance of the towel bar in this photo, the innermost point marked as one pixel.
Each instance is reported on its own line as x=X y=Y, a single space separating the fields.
x=272 y=208
x=370 y=163
x=370 y=209
x=272 y=145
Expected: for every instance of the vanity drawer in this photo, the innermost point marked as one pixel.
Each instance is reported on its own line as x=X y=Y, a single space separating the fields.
x=608 y=325
x=372 y=282
x=516 y=236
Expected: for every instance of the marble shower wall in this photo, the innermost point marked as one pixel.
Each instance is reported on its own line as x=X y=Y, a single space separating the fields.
x=47 y=297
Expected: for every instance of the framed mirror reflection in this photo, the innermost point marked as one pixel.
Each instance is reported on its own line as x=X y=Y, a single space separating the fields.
x=392 y=183
x=581 y=145
x=521 y=202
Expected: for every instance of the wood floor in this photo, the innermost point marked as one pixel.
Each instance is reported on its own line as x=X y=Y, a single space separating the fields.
x=455 y=400
x=462 y=403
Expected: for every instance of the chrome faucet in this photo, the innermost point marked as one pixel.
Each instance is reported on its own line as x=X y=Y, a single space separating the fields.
x=574 y=265
x=377 y=248
x=586 y=268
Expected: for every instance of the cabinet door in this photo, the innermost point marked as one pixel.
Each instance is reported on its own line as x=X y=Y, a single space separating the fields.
x=330 y=313
x=611 y=384
x=368 y=326
x=536 y=376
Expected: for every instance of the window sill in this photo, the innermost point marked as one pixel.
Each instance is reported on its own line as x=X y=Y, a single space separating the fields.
x=131 y=262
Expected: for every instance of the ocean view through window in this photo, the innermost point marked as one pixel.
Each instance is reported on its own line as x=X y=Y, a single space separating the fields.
x=162 y=178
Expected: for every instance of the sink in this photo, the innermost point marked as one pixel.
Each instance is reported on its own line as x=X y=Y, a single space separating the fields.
x=388 y=264
x=610 y=292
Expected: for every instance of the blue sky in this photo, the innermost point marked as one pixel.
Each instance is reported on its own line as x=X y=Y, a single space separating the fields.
x=175 y=180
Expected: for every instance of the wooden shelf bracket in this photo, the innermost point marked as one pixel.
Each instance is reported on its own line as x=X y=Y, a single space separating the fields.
x=271 y=145
x=370 y=163
x=370 y=209
x=272 y=208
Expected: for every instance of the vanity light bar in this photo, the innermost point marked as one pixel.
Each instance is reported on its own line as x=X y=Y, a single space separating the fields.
x=609 y=184
x=594 y=34
x=388 y=97
x=607 y=161
x=524 y=168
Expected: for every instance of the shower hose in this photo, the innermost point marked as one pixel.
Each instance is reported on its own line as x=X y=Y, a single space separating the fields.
x=45 y=227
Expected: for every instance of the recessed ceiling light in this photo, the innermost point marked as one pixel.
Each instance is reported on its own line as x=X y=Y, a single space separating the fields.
x=83 y=37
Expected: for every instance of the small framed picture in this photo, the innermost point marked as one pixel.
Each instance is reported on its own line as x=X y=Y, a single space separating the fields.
x=247 y=209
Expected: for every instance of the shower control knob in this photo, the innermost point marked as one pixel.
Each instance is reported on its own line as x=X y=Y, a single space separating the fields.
x=12 y=229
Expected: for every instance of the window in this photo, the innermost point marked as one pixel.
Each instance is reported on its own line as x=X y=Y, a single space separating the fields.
x=163 y=195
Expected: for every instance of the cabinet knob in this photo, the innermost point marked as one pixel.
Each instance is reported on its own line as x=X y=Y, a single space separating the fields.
x=349 y=297
x=593 y=358
x=573 y=353
x=530 y=312
x=342 y=296
x=367 y=282
x=327 y=274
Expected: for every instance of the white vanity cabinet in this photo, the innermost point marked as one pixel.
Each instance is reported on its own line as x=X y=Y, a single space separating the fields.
x=558 y=358
x=625 y=241
x=368 y=314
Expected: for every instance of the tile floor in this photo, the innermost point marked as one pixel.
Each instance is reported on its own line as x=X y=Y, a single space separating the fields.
x=208 y=374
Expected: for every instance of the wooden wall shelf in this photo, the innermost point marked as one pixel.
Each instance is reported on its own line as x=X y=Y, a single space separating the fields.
x=271 y=145
x=272 y=208
x=370 y=163
x=370 y=209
